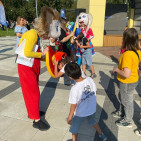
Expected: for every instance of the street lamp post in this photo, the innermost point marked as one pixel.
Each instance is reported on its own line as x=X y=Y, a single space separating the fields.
x=36 y=9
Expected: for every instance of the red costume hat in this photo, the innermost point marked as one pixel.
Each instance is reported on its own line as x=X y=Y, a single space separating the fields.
x=59 y=55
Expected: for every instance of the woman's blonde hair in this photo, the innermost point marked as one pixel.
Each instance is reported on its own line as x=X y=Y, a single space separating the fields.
x=43 y=22
x=19 y=19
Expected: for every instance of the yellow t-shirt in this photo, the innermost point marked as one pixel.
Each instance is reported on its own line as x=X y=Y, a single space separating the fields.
x=31 y=37
x=130 y=60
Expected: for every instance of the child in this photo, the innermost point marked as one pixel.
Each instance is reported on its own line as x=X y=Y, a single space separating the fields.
x=127 y=74
x=84 y=45
x=83 y=101
x=60 y=61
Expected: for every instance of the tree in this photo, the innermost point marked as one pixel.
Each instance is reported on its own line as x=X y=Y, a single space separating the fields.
x=15 y=8
x=116 y=1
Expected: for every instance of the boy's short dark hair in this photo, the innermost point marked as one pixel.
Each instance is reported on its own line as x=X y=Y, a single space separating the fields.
x=73 y=70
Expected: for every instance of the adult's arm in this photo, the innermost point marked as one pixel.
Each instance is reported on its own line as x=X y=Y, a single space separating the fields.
x=65 y=39
x=31 y=40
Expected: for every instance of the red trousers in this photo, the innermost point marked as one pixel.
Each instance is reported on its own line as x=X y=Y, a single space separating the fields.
x=29 y=79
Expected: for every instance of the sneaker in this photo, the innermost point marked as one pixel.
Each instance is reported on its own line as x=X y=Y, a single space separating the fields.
x=41 y=125
x=138 y=132
x=103 y=137
x=117 y=114
x=123 y=123
x=93 y=75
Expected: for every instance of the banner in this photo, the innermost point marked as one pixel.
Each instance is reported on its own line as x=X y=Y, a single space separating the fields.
x=63 y=13
x=2 y=15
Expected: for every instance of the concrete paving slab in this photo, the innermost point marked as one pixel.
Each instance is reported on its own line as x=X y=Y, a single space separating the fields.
x=4 y=84
x=52 y=134
x=21 y=131
x=126 y=134
x=5 y=124
x=12 y=110
x=58 y=120
x=14 y=97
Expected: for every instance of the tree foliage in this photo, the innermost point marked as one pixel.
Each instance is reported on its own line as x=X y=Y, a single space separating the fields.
x=116 y=1
x=26 y=8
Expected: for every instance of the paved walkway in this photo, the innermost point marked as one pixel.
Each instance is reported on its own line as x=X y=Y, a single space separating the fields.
x=14 y=124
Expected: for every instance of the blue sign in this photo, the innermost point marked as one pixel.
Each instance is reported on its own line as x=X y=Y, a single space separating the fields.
x=63 y=13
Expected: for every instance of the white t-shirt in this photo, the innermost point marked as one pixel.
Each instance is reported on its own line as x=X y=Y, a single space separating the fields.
x=84 y=95
x=63 y=70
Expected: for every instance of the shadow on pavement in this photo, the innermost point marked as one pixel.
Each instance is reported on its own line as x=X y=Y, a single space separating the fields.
x=137 y=114
x=47 y=96
x=110 y=88
x=114 y=59
x=107 y=122
x=4 y=50
x=105 y=129
x=138 y=88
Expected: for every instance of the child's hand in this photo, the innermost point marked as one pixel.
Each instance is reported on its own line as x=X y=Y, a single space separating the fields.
x=69 y=121
x=55 y=62
x=115 y=70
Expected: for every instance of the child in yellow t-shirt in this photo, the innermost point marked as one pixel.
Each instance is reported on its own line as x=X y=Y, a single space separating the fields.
x=127 y=74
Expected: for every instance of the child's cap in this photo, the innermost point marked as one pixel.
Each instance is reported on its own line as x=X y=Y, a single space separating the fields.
x=59 y=55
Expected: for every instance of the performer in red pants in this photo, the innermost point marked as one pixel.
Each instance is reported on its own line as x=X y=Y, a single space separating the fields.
x=29 y=63
x=29 y=79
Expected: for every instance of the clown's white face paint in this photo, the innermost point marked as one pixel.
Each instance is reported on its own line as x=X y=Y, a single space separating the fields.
x=83 y=18
x=55 y=29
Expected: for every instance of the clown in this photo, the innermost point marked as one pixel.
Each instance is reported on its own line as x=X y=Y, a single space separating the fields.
x=84 y=22
x=48 y=24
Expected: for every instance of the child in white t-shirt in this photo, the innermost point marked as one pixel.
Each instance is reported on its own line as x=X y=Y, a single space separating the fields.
x=83 y=101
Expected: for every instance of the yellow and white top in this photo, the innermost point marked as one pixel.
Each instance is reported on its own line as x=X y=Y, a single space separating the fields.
x=130 y=60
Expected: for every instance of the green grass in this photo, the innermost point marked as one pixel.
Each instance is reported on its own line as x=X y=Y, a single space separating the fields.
x=9 y=32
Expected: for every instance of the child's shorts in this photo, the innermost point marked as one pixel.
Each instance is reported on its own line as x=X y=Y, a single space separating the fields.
x=76 y=122
x=87 y=57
